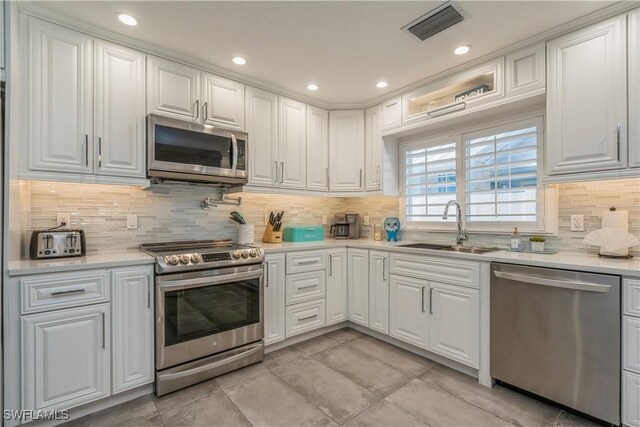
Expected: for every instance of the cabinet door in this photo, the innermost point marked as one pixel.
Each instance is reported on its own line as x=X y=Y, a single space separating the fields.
x=408 y=317
x=274 y=298
x=262 y=127
x=60 y=118
x=358 y=279
x=379 y=291
x=634 y=88
x=173 y=89
x=337 y=308
x=454 y=323
x=65 y=357
x=630 y=399
x=132 y=325
x=223 y=102
x=317 y=149
x=292 y=143
x=119 y=110
x=346 y=150
x=373 y=150
x=392 y=114
x=587 y=99
x=525 y=70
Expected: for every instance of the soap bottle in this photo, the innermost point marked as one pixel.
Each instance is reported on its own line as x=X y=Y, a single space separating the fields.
x=516 y=241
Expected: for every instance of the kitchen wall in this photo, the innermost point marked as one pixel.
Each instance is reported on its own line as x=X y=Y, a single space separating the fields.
x=172 y=212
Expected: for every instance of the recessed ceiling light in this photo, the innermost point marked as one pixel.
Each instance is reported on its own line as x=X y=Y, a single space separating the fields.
x=382 y=84
x=461 y=50
x=312 y=86
x=127 y=19
x=239 y=60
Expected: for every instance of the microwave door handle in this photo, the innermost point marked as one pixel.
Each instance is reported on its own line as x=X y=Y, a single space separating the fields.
x=170 y=285
x=234 y=145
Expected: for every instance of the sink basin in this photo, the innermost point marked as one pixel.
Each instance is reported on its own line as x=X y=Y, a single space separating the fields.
x=425 y=246
x=469 y=249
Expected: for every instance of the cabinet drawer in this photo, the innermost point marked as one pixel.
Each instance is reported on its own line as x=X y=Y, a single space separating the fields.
x=631 y=297
x=64 y=290
x=305 y=317
x=630 y=399
x=305 y=286
x=631 y=343
x=299 y=262
x=439 y=269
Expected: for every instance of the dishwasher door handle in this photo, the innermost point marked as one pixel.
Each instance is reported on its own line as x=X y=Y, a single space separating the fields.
x=577 y=286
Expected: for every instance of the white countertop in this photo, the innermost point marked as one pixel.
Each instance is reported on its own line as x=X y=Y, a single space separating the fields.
x=105 y=260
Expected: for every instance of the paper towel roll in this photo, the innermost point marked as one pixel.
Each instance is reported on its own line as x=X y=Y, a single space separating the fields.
x=616 y=219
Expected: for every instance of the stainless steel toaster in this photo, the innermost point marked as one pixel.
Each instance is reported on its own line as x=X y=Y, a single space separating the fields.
x=57 y=244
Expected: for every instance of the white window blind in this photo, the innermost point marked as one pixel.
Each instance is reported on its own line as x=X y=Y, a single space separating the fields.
x=501 y=177
x=430 y=180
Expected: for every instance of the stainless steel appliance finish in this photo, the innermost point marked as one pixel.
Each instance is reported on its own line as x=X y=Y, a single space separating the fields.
x=185 y=151
x=57 y=244
x=346 y=226
x=556 y=333
x=462 y=234
x=209 y=310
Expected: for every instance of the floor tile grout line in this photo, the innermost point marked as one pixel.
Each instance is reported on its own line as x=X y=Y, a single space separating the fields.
x=234 y=403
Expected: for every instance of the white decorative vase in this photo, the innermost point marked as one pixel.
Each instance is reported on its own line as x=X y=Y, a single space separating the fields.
x=537 y=246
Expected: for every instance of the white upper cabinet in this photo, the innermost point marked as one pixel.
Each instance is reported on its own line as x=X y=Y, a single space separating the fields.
x=408 y=319
x=587 y=99
x=173 y=89
x=262 y=127
x=317 y=150
x=634 y=88
x=59 y=123
x=379 y=291
x=337 y=309
x=525 y=70
x=119 y=110
x=373 y=150
x=274 y=298
x=392 y=114
x=346 y=150
x=358 y=279
x=223 y=102
x=292 y=144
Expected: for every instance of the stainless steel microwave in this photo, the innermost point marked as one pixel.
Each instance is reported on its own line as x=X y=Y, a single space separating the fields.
x=178 y=150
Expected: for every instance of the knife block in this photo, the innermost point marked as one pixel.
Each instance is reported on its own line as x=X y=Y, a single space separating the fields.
x=271 y=236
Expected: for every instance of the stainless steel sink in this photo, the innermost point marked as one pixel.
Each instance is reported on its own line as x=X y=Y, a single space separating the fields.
x=469 y=249
x=424 y=246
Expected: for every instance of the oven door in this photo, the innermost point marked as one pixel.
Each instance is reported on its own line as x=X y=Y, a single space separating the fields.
x=202 y=313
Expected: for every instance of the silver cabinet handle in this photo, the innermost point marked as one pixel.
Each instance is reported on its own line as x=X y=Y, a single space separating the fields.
x=275 y=179
x=326 y=170
x=308 y=317
x=360 y=179
x=391 y=105
x=148 y=291
x=266 y=282
x=618 y=139
x=99 y=151
x=422 y=299
x=447 y=109
x=310 y=261
x=205 y=111
x=104 y=332
x=576 y=286
x=281 y=172
x=197 y=109
x=378 y=174
x=70 y=292
x=86 y=150
x=384 y=269
x=430 y=300
x=330 y=265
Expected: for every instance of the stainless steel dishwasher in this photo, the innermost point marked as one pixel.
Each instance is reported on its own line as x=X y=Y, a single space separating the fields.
x=556 y=333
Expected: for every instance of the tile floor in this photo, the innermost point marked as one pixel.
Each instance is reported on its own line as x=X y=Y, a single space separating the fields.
x=341 y=378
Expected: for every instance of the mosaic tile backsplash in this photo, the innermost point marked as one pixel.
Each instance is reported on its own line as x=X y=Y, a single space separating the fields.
x=171 y=212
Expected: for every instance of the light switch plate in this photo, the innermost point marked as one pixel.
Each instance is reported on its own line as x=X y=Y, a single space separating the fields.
x=132 y=221
x=577 y=222
x=324 y=220
x=66 y=218
x=366 y=220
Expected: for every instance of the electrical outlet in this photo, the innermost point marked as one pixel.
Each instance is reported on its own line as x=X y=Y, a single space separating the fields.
x=577 y=222
x=132 y=221
x=64 y=218
x=366 y=220
x=324 y=220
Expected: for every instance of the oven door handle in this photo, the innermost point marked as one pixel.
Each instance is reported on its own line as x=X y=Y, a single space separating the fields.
x=170 y=285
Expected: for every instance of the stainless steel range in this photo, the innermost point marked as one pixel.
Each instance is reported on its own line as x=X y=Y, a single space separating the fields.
x=209 y=310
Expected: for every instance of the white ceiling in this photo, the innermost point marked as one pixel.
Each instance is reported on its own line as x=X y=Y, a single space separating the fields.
x=343 y=47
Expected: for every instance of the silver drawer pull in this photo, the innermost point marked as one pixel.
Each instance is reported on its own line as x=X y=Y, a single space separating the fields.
x=313 y=261
x=308 y=317
x=73 y=291
x=313 y=285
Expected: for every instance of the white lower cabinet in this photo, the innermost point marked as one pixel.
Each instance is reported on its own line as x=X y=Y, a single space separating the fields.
x=66 y=357
x=337 y=308
x=454 y=327
x=303 y=287
x=274 y=298
x=358 y=278
x=630 y=399
x=379 y=291
x=305 y=317
x=408 y=320
x=132 y=326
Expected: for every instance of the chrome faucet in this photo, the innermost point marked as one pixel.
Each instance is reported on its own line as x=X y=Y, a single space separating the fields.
x=462 y=234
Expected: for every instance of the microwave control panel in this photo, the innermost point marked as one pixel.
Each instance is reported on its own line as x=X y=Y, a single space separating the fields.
x=241 y=156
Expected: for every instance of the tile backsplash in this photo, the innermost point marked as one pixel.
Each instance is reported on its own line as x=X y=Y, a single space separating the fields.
x=171 y=212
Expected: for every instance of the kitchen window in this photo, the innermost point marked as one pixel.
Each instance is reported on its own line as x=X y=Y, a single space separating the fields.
x=494 y=173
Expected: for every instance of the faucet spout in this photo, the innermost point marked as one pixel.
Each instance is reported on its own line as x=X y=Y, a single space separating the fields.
x=462 y=234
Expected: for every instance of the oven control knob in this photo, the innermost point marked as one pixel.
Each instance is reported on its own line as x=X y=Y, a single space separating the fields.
x=245 y=253
x=172 y=260
x=195 y=258
x=236 y=254
x=184 y=259
x=253 y=253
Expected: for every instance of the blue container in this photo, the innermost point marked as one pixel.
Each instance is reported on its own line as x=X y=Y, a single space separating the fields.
x=303 y=233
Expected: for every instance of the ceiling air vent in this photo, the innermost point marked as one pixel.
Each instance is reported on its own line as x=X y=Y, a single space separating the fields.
x=434 y=22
